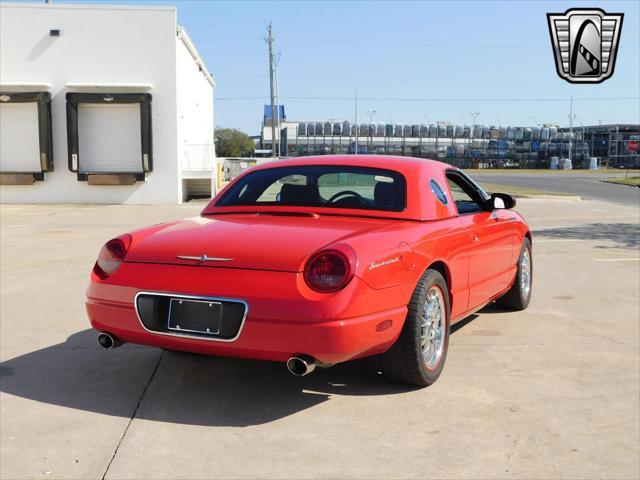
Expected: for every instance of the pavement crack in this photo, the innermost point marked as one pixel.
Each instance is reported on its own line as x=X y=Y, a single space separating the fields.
x=133 y=415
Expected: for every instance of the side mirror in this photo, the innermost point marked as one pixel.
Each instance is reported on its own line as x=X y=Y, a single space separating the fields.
x=502 y=201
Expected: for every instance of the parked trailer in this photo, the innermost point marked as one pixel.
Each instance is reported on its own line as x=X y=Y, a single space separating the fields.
x=388 y=130
x=544 y=133
x=535 y=133
x=450 y=131
x=346 y=128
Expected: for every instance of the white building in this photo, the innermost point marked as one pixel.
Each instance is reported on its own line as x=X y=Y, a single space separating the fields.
x=102 y=104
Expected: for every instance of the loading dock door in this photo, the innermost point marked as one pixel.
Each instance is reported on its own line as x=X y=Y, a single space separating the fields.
x=19 y=137
x=109 y=138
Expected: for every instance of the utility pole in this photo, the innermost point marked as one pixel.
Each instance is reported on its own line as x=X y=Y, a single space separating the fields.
x=570 y=126
x=356 y=152
x=276 y=62
x=271 y=92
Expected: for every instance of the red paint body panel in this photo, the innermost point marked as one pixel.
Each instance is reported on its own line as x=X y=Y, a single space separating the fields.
x=267 y=253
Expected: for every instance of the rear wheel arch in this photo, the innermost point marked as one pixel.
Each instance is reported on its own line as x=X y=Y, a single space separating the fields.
x=425 y=328
x=441 y=267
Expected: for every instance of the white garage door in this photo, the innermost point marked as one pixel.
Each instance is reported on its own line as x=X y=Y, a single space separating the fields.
x=109 y=138
x=19 y=137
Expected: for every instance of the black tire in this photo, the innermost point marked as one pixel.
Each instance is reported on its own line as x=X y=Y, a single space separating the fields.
x=516 y=298
x=404 y=361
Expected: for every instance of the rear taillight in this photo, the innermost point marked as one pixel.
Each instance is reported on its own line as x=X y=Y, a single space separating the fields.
x=330 y=270
x=112 y=255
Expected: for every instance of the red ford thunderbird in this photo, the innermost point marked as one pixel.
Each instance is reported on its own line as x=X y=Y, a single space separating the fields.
x=319 y=260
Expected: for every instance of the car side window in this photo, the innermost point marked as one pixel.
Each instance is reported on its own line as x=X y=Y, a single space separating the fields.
x=464 y=195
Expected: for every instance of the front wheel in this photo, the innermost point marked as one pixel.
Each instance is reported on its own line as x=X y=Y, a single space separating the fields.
x=418 y=356
x=519 y=296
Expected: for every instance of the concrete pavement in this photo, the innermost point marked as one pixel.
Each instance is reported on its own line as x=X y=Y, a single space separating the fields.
x=551 y=392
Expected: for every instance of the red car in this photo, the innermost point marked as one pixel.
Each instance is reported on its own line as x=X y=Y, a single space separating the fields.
x=318 y=260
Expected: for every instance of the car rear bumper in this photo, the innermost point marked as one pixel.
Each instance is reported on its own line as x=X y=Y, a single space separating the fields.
x=266 y=339
x=331 y=329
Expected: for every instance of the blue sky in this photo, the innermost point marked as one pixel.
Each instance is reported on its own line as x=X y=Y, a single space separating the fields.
x=411 y=62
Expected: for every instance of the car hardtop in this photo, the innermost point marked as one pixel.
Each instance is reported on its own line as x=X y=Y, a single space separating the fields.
x=422 y=204
x=404 y=165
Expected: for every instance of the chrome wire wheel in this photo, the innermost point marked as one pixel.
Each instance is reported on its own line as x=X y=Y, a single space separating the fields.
x=525 y=273
x=433 y=327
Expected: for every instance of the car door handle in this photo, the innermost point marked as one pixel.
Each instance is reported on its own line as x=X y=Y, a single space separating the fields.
x=475 y=238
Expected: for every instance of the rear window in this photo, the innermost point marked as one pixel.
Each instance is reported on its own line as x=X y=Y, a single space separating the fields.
x=331 y=186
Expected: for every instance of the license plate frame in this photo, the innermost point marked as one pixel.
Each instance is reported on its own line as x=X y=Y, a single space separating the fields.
x=192 y=316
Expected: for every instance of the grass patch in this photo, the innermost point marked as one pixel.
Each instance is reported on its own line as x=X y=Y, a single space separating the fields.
x=517 y=191
x=635 y=181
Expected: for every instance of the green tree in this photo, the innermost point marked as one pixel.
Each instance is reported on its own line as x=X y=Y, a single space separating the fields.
x=231 y=142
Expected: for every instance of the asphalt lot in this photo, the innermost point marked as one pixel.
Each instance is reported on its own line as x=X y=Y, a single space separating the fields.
x=551 y=392
x=586 y=185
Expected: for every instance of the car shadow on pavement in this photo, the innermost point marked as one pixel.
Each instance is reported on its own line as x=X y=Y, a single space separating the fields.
x=178 y=387
x=624 y=235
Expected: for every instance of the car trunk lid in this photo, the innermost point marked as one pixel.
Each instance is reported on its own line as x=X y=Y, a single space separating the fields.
x=262 y=241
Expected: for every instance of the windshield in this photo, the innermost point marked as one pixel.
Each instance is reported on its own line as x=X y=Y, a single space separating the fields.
x=333 y=186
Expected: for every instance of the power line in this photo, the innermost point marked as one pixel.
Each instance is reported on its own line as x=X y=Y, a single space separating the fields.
x=421 y=82
x=440 y=100
x=420 y=44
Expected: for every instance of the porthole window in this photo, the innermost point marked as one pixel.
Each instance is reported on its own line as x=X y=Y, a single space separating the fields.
x=438 y=192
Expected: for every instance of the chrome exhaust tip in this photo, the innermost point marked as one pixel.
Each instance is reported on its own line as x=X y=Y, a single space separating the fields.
x=107 y=341
x=301 y=365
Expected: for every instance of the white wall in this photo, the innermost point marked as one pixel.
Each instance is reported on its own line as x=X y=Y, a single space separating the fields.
x=195 y=100
x=97 y=45
x=195 y=109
